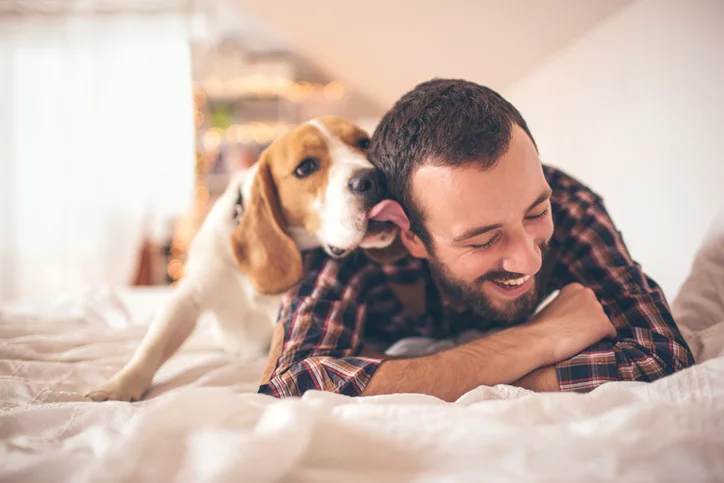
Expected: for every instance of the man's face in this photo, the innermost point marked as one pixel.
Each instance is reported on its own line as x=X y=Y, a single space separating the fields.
x=489 y=229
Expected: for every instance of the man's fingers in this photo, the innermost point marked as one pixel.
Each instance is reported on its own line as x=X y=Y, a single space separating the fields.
x=572 y=288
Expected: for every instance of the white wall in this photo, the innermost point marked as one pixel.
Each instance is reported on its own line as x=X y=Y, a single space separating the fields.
x=635 y=109
x=382 y=48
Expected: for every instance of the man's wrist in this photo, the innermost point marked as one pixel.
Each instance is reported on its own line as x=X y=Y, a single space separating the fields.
x=538 y=342
x=515 y=351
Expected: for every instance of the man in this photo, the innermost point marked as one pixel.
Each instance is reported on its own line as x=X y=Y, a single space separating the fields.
x=490 y=232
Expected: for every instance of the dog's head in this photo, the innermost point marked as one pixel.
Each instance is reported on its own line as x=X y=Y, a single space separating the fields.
x=312 y=187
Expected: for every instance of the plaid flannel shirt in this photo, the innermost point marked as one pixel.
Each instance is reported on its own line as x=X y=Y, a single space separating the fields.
x=339 y=306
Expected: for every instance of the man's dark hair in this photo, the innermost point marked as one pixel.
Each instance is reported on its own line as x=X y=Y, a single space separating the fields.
x=442 y=122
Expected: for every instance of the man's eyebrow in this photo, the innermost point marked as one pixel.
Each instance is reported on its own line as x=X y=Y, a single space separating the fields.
x=544 y=196
x=479 y=230
x=475 y=231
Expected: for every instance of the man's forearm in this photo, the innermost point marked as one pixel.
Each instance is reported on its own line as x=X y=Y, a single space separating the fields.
x=500 y=358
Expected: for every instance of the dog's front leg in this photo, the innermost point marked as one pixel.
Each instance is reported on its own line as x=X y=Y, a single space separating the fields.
x=169 y=329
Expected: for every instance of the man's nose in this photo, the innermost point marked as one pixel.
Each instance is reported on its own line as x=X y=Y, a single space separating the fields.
x=365 y=182
x=523 y=255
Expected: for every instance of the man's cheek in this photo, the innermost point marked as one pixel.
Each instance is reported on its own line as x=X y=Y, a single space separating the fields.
x=474 y=267
x=550 y=227
x=544 y=234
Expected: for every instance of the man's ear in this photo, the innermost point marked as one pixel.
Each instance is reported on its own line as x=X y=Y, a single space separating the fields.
x=262 y=249
x=414 y=244
x=406 y=241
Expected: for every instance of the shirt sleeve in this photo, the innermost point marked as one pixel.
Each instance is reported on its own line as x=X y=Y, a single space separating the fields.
x=649 y=345
x=323 y=319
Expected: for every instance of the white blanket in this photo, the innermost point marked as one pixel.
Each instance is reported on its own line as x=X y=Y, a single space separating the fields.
x=202 y=421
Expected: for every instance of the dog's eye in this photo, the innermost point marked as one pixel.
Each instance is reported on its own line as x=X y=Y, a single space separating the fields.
x=363 y=144
x=306 y=167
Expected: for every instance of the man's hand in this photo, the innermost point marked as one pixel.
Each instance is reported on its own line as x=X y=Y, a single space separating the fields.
x=572 y=322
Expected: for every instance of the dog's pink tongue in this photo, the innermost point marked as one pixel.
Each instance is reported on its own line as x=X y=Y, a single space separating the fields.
x=389 y=210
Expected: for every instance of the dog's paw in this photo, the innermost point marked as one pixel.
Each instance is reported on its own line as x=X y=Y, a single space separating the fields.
x=118 y=390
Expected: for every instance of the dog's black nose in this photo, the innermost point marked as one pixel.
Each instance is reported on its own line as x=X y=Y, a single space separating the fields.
x=365 y=182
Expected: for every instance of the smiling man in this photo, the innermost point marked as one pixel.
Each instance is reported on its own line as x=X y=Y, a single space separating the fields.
x=490 y=233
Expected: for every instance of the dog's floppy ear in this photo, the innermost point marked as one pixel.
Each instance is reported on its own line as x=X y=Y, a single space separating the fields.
x=390 y=254
x=263 y=251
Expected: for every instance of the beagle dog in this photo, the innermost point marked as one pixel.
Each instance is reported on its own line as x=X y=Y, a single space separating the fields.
x=313 y=187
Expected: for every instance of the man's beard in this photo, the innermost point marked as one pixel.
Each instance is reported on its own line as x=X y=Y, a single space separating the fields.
x=472 y=295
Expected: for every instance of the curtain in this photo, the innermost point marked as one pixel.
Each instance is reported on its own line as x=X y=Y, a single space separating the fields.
x=96 y=144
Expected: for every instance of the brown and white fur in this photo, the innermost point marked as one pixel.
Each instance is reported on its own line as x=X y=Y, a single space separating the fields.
x=239 y=263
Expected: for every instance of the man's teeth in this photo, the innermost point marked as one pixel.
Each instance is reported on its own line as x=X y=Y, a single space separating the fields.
x=514 y=282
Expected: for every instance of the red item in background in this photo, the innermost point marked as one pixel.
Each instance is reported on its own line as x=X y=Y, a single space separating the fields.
x=246 y=159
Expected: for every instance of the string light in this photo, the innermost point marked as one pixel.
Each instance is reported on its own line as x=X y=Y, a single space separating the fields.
x=257 y=85
x=175 y=269
x=245 y=135
x=202 y=194
x=334 y=91
x=259 y=132
x=199 y=98
x=212 y=139
x=233 y=132
x=213 y=86
x=264 y=86
x=280 y=130
x=237 y=86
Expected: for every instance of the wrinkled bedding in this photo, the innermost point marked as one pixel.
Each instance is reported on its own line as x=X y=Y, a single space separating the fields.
x=202 y=420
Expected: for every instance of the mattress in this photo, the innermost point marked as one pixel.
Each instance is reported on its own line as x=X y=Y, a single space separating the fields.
x=202 y=421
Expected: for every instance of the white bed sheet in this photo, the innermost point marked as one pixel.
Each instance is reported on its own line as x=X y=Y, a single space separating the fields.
x=202 y=421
